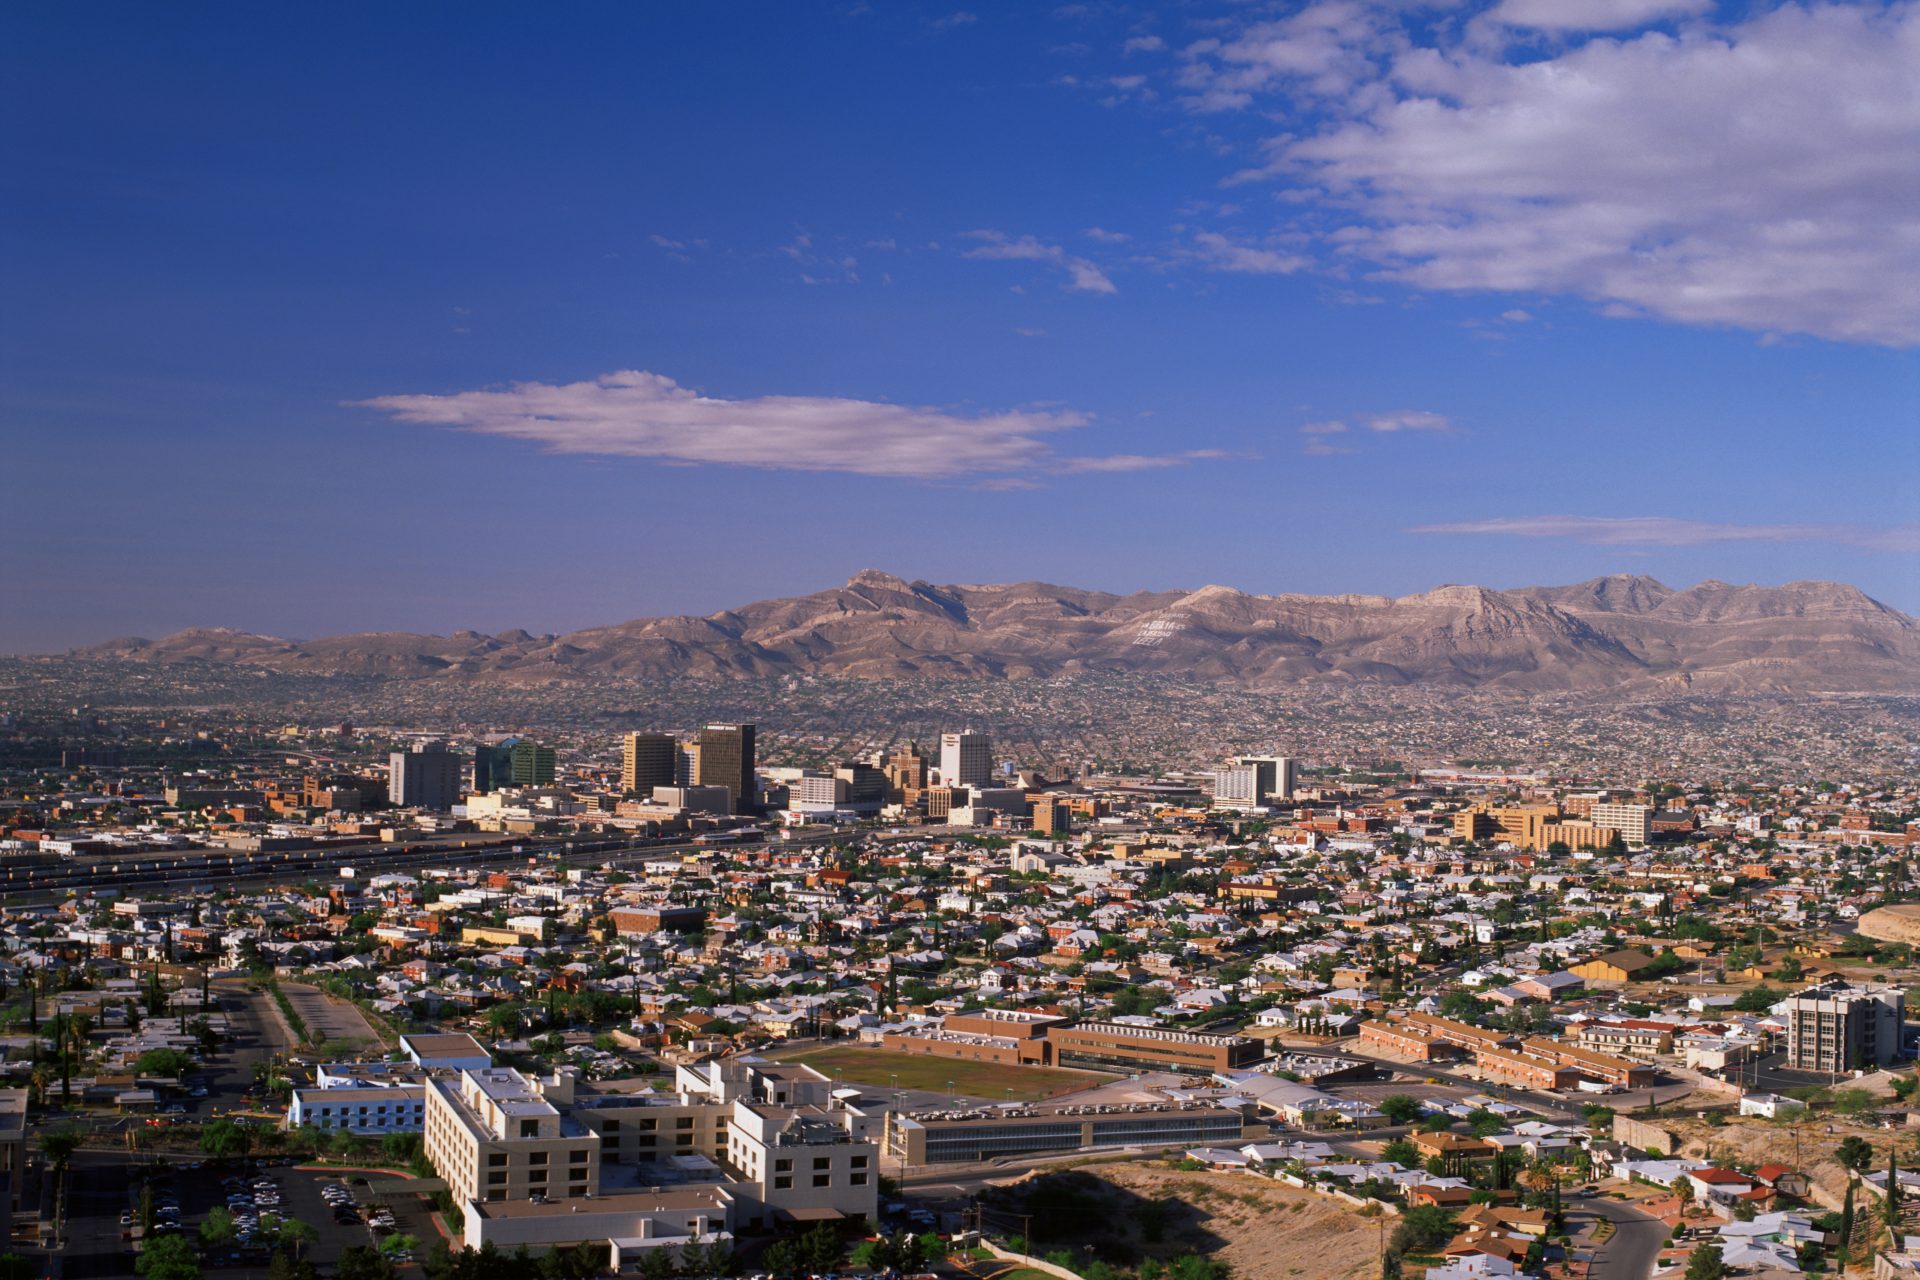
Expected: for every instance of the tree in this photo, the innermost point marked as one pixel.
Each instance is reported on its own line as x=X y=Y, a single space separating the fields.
x=1854 y=1152
x=657 y=1264
x=820 y=1248
x=1758 y=1000
x=224 y=1140
x=363 y=1263
x=782 y=1258
x=299 y=1233
x=1846 y=1227
x=1705 y=1263
x=58 y=1147
x=1400 y=1108
x=217 y=1231
x=1401 y=1152
x=168 y=1258
x=162 y=1062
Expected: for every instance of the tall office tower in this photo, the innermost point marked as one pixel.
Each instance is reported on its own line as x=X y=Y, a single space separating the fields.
x=906 y=772
x=866 y=786
x=492 y=766
x=1835 y=1027
x=1630 y=820
x=427 y=777
x=726 y=760
x=532 y=764
x=966 y=759
x=1278 y=777
x=648 y=760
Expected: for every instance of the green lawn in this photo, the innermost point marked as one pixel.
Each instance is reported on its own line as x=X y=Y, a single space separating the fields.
x=884 y=1068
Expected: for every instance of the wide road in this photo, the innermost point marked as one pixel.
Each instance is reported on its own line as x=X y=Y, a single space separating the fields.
x=1633 y=1248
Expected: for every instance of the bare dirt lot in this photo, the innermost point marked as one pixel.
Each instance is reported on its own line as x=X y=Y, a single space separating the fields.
x=1262 y=1229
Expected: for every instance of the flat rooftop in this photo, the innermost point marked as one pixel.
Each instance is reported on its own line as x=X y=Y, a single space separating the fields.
x=653 y=1200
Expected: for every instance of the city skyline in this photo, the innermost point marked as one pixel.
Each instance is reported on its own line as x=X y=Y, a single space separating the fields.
x=357 y=320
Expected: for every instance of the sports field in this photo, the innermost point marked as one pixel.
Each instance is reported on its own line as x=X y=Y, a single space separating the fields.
x=884 y=1068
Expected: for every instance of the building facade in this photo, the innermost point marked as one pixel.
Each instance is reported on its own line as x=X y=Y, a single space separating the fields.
x=726 y=759
x=966 y=759
x=1834 y=1027
x=648 y=760
x=426 y=777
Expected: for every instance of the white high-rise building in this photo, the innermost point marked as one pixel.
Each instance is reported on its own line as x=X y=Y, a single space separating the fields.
x=1277 y=777
x=966 y=759
x=1630 y=820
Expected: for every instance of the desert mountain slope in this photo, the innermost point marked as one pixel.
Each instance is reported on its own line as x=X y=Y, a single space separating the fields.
x=1621 y=632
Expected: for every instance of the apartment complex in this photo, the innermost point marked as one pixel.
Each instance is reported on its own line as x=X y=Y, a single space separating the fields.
x=1835 y=1027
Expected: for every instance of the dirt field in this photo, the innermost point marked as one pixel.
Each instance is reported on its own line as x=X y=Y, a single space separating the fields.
x=883 y=1068
x=1263 y=1230
x=1892 y=924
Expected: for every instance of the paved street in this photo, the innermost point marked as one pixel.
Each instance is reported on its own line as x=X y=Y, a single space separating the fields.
x=1630 y=1252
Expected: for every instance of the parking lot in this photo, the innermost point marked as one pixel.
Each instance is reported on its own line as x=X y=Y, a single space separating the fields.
x=105 y=1202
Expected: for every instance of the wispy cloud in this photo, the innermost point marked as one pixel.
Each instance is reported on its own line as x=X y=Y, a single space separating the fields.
x=1409 y=420
x=1593 y=15
x=1319 y=436
x=1669 y=531
x=1082 y=274
x=1318 y=443
x=1222 y=254
x=646 y=415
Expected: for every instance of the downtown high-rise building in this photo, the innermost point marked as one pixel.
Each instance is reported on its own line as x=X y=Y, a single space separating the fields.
x=426 y=777
x=648 y=760
x=966 y=759
x=533 y=764
x=726 y=760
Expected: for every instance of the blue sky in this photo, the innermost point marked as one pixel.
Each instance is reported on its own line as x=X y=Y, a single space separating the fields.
x=352 y=317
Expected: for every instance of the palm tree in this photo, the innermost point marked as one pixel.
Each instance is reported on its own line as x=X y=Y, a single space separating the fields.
x=299 y=1233
x=58 y=1146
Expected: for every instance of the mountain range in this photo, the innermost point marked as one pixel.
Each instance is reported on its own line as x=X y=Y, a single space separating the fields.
x=1614 y=633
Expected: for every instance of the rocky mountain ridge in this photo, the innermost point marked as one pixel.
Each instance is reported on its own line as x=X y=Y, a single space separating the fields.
x=1620 y=632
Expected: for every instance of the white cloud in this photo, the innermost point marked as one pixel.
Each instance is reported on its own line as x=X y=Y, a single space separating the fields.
x=1081 y=274
x=1143 y=44
x=1593 y=15
x=1105 y=236
x=1409 y=420
x=645 y=415
x=1317 y=444
x=1756 y=175
x=1223 y=254
x=958 y=18
x=1666 y=531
